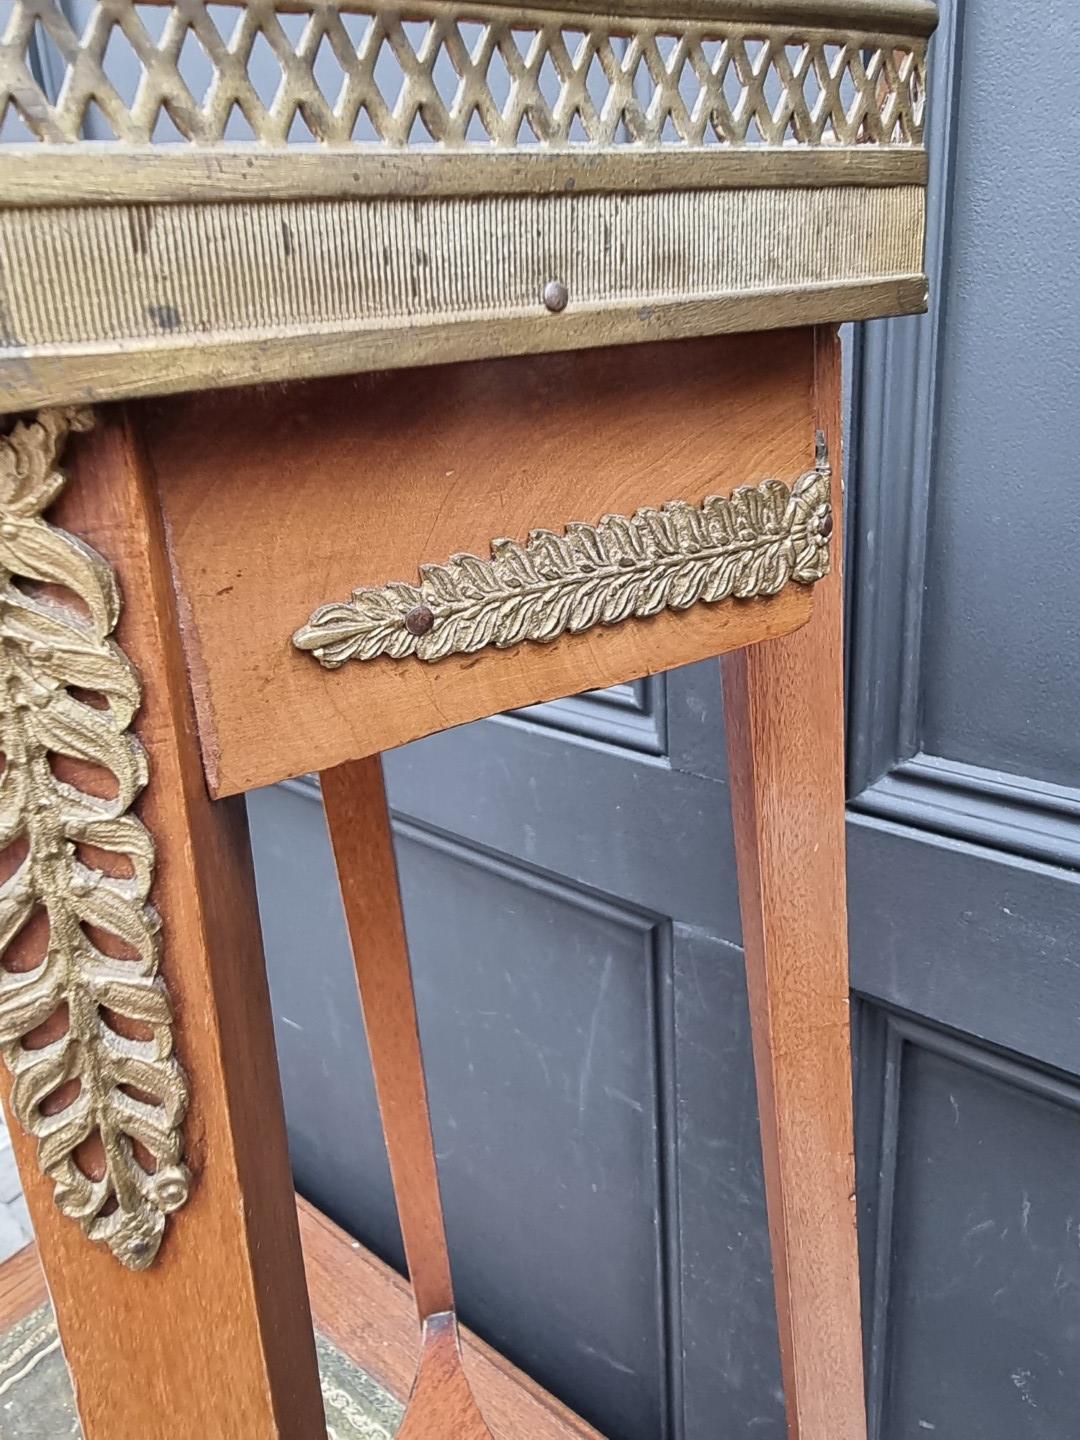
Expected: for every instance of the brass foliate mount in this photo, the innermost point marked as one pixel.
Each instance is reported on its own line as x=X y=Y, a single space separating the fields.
x=751 y=544
x=67 y=690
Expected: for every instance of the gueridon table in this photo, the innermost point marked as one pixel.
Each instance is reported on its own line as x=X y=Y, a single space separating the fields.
x=484 y=355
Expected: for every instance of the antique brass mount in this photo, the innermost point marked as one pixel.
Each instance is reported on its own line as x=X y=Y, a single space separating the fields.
x=666 y=559
x=79 y=1084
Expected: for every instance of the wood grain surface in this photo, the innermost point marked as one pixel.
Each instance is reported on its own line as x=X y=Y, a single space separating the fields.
x=279 y=500
x=366 y=1310
x=215 y=1339
x=359 y=823
x=22 y=1286
x=441 y=1404
x=784 y=712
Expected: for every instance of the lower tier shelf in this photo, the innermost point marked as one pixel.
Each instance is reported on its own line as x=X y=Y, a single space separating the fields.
x=367 y=1341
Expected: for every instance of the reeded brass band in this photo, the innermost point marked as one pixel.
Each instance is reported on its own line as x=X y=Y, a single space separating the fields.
x=160 y=283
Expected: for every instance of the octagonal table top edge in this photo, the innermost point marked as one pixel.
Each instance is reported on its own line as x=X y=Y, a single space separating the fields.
x=673 y=168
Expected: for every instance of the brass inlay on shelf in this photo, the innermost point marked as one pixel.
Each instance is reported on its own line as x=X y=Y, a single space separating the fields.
x=103 y=1073
x=750 y=544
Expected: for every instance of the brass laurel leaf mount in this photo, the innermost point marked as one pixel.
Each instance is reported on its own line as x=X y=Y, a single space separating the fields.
x=751 y=544
x=79 y=1088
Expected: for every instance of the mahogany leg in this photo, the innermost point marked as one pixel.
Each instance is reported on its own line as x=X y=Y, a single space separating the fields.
x=212 y=1335
x=441 y=1406
x=784 y=711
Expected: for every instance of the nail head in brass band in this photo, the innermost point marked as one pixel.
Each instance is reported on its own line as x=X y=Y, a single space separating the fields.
x=753 y=543
x=556 y=296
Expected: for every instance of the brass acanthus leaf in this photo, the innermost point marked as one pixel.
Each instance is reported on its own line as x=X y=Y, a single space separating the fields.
x=83 y=1088
x=752 y=543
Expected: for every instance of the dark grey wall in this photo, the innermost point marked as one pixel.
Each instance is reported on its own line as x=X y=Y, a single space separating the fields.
x=571 y=904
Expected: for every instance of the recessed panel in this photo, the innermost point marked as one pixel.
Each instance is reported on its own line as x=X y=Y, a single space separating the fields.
x=1001 y=687
x=983 y=1305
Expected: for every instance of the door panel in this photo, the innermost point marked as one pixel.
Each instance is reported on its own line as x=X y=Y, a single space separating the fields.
x=964 y=842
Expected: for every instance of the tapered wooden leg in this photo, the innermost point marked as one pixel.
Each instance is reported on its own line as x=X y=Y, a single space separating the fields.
x=441 y=1406
x=213 y=1338
x=784 y=710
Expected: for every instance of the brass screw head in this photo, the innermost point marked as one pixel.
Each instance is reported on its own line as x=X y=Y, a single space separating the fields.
x=419 y=620
x=556 y=296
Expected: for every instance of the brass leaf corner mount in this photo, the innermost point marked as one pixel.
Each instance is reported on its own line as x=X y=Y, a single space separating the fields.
x=749 y=544
x=87 y=1036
